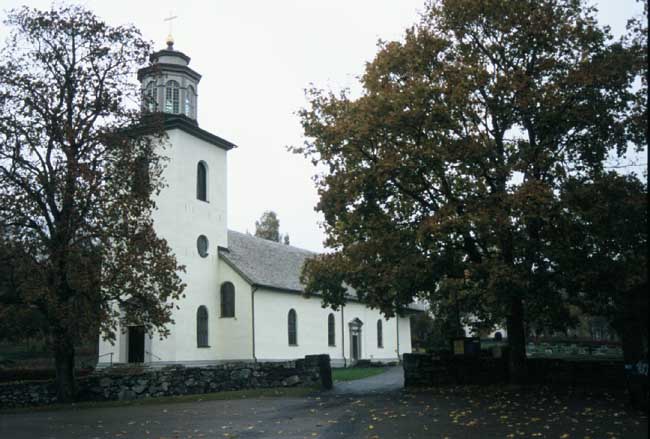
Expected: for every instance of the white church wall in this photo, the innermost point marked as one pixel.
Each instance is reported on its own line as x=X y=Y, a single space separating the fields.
x=369 y=346
x=233 y=335
x=107 y=352
x=180 y=218
x=405 y=335
x=271 y=329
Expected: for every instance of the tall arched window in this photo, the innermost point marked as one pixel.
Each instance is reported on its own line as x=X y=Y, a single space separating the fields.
x=190 y=102
x=380 y=334
x=202 y=181
x=150 y=96
x=227 y=300
x=202 y=327
x=292 y=328
x=172 y=99
x=331 y=330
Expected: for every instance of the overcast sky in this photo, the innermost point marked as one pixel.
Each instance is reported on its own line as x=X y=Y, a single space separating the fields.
x=256 y=58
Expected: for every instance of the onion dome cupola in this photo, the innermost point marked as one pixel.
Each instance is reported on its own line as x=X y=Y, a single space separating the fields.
x=168 y=84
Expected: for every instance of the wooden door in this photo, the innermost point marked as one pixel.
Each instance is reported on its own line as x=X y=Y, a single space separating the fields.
x=136 y=344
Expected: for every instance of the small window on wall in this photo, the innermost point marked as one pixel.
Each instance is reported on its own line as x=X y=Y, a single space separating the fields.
x=227 y=300
x=331 y=330
x=380 y=334
x=202 y=246
x=202 y=181
x=202 y=327
x=292 y=328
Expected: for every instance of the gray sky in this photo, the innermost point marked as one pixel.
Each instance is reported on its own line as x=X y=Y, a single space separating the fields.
x=256 y=58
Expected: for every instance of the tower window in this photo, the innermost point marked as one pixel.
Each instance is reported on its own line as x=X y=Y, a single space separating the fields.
x=227 y=300
x=151 y=103
x=172 y=99
x=292 y=328
x=190 y=102
x=202 y=181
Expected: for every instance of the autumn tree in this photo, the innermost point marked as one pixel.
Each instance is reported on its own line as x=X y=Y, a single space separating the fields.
x=442 y=177
x=78 y=169
x=268 y=227
x=602 y=254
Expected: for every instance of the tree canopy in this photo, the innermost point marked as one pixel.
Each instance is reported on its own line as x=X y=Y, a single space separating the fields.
x=443 y=177
x=78 y=171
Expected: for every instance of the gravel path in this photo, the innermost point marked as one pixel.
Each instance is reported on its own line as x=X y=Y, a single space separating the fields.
x=389 y=381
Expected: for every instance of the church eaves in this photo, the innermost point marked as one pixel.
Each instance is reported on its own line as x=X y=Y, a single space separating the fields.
x=184 y=123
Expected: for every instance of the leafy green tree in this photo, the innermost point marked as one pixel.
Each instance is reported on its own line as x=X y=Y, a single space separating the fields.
x=77 y=176
x=442 y=178
x=268 y=227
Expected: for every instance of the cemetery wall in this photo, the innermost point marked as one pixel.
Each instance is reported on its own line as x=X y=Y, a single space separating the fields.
x=426 y=370
x=138 y=383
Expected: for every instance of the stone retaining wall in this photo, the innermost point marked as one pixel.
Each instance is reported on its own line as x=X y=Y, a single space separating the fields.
x=136 y=383
x=425 y=370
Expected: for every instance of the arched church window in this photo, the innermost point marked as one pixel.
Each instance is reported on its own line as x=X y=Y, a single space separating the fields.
x=292 y=327
x=172 y=99
x=380 y=334
x=190 y=102
x=202 y=181
x=331 y=330
x=151 y=103
x=202 y=245
x=202 y=327
x=227 y=300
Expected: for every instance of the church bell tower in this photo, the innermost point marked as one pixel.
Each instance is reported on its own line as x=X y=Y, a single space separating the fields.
x=169 y=85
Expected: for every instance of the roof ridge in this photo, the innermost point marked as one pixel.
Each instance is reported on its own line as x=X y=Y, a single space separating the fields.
x=273 y=243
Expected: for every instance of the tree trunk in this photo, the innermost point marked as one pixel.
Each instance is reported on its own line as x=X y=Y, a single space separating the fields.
x=635 y=310
x=64 y=364
x=517 y=342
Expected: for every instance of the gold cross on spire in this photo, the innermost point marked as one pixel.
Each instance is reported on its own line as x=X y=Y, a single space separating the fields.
x=170 y=38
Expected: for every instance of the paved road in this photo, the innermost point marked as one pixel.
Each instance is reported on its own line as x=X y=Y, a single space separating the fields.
x=454 y=412
x=390 y=381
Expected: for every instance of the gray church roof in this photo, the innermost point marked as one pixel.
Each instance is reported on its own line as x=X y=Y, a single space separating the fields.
x=271 y=264
x=265 y=263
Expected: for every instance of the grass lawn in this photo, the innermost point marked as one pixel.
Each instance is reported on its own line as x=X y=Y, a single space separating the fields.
x=355 y=373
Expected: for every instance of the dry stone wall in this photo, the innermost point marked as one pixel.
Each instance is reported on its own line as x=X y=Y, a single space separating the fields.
x=138 y=383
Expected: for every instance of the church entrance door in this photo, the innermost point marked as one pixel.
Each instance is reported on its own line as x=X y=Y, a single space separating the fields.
x=355 y=347
x=355 y=339
x=136 y=344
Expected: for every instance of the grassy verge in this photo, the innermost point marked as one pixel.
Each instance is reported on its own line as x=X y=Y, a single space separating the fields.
x=355 y=373
x=280 y=392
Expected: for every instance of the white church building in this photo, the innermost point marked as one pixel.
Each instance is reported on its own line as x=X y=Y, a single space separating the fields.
x=243 y=300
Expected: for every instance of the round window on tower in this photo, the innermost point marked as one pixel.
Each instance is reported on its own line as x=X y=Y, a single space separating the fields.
x=202 y=246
